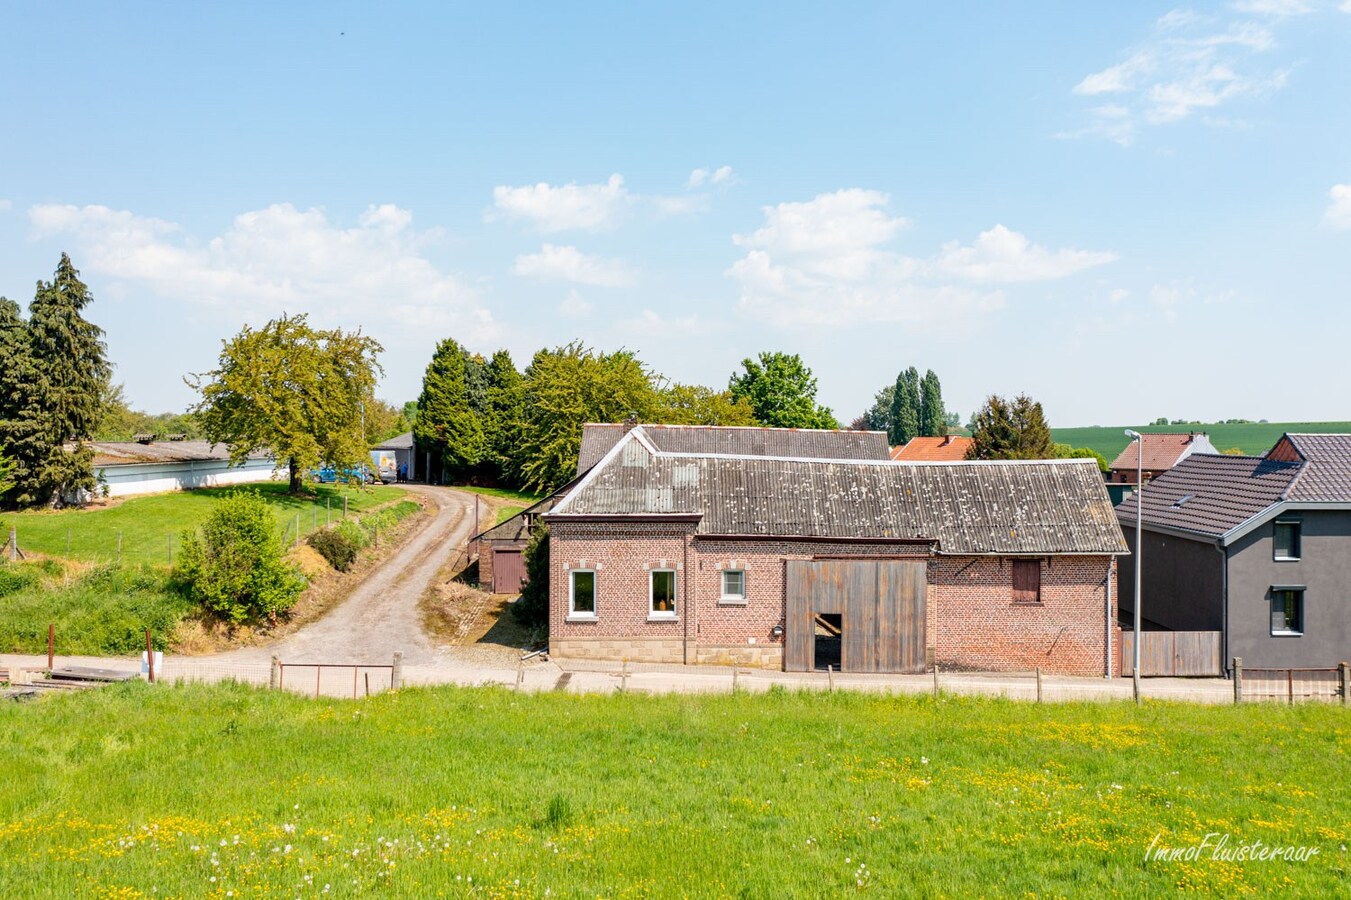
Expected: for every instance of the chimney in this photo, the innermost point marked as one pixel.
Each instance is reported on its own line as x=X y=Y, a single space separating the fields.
x=947 y=439
x=631 y=422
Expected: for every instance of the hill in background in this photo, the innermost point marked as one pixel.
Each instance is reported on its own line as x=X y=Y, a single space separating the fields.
x=1253 y=438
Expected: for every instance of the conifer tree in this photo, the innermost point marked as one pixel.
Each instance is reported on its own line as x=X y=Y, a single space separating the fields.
x=505 y=401
x=446 y=423
x=905 y=410
x=932 y=415
x=1011 y=430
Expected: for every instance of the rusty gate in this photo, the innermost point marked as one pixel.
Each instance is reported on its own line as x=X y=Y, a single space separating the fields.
x=880 y=605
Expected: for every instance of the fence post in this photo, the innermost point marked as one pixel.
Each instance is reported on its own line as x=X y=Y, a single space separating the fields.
x=396 y=676
x=520 y=674
x=149 y=656
x=51 y=649
x=734 y=675
x=624 y=675
x=1290 y=685
x=1345 y=671
x=171 y=549
x=935 y=680
x=344 y=506
x=297 y=540
x=13 y=543
x=830 y=678
x=1038 y=684
x=67 y=543
x=119 y=547
x=328 y=511
x=274 y=677
x=1238 y=679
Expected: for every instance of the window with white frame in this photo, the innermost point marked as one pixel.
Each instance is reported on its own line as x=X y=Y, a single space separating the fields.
x=733 y=586
x=582 y=603
x=1285 y=544
x=1287 y=611
x=663 y=593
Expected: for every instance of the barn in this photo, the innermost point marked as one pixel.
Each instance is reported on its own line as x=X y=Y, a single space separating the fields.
x=866 y=565
x=152 y=466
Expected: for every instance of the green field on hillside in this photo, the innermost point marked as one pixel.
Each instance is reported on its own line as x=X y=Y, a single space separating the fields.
x=1253 y=439
x=139 y=790
x=148 y=526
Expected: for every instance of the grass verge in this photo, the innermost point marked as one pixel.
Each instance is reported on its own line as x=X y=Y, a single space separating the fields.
x=200 y=790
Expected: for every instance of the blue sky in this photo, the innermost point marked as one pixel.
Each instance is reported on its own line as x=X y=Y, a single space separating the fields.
x=1126 y=211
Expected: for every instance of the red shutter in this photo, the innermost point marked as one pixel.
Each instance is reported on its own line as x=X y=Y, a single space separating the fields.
x=1027 y=581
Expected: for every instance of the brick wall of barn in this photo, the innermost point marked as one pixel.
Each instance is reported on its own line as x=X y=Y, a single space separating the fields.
x=972 y=621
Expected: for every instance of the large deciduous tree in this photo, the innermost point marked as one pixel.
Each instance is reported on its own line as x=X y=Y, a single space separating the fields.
x=878 y=416
x=1010 y=430
x=292 y=389
x=693 y=404
x=905 y=407
x=447 y=425
x=933 y=418
x=782 y=392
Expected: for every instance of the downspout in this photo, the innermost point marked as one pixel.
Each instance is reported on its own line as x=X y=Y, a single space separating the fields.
x=1107 y=616
x=1224 y=606
x=689 y=599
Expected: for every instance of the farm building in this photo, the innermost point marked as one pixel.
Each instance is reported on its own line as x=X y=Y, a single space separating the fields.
x=1157 y=454
x=1254 y=552
x=667 y=554
x=149 y=467
x=398 y=453
x=500 y=549
x=948 y=448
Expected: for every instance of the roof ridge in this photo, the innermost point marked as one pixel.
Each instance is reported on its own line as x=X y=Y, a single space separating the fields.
x=681 y=454
x=736 y=427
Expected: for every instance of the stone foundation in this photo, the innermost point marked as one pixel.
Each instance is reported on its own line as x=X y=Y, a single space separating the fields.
x=649 y=650
x=758 y=657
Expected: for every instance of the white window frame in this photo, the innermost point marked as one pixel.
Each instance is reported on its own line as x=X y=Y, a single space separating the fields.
x=573 y=614
x=1297 y=526
x=723 y=596
x=1299 y=600
x=652 y=611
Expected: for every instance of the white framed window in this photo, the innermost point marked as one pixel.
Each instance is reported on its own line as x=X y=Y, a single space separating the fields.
x=662 y=595
x=1285 y=543
x=1287 y=612
x=733 y=586
x=582 y=594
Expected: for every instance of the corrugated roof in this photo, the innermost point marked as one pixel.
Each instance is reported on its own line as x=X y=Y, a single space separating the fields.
x=1161 y=451
x=950 y=448
x=125 y=453
x=1327 y=471
x=598 y=439
x=1212 y=494
x=398 y=442
x=1050 y=506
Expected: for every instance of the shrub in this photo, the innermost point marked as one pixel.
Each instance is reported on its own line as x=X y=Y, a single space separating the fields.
x=338 y=545
x=532 y=608
x=236 y=567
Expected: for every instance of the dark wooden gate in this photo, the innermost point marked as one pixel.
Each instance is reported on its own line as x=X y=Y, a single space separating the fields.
x=881 y=608
x=508 y=571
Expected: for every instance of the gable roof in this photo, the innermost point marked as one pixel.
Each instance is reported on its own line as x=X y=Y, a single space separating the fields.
x=948 y=448
x=1163 y=450
x=599 y=439
x=1212 y=495
x=131 y=453
x=1327 y=471
x=398 y=442
x=1011 y=507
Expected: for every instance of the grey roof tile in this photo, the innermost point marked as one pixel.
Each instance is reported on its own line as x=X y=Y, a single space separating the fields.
x=598 y=439
x=1211 y=494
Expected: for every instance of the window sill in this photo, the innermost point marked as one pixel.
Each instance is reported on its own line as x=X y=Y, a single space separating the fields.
x=581 y=617
x=1287 y=634
x=734 y=600
x=1031 y=603
x=667 y=617
x=1286 y=558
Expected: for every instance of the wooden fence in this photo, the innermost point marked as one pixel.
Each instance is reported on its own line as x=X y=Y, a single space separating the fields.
x=1173 y=654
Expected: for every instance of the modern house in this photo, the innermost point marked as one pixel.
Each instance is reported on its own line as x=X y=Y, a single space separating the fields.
x=1257 y=549
x=152 y=466
x=1157 y=454
x=948 y=448
x=501 y=548
x=668 y=550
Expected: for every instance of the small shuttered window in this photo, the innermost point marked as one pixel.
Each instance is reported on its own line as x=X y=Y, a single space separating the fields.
x=1027 y=581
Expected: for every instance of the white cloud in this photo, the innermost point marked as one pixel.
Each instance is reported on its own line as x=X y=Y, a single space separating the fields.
x=719 y=176
x=280 y=259
x=567 y=207
x=574 y=306
x=570 y=264
x=1187 y=64
x=1346 y=6
x=652 y=324
x=1338 y=213
x=825 y=263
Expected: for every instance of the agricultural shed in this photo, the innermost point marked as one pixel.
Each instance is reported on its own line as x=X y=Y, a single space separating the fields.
x=151 y=466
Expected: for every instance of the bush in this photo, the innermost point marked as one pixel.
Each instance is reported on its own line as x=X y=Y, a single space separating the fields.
x=532 y=608
x=236 y=567
x=334 y=545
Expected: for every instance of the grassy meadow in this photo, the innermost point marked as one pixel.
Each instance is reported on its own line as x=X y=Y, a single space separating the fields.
x=1253 y=439
x=226 y=790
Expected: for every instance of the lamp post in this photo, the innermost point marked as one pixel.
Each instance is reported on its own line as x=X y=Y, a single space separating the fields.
x=1139 y=523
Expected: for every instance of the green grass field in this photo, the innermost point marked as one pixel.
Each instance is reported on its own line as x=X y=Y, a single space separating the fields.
x=138 y=791
x=147 y=525
x=1253 y=439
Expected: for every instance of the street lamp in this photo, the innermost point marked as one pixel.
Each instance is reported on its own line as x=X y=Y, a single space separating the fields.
x=1139 y=523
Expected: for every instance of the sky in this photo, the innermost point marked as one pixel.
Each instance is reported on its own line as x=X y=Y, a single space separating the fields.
x=1125 y=211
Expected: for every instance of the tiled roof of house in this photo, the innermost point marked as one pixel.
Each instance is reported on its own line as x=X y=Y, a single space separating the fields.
x=1161 y=451
x=1211 y=495
x=1033 y=507
x=598 y=439
x=1327 y=470
x=949 y=448
x=124 y=453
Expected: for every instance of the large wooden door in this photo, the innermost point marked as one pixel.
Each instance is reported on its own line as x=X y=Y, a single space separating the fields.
x=508 y=571
x=881 y=608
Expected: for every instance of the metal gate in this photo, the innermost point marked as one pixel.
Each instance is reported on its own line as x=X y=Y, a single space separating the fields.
x=881 y=609
x=508 y=571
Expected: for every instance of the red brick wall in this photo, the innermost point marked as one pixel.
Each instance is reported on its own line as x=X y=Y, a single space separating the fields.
x=972 y=622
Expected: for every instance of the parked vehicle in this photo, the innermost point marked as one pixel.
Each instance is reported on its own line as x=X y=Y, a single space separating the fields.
x=331 y=475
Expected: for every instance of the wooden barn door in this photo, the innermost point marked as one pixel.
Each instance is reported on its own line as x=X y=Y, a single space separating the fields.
x=508 y=571
x=881 y=609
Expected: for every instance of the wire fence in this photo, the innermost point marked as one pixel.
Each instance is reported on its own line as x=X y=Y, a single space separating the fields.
x=1291 y=685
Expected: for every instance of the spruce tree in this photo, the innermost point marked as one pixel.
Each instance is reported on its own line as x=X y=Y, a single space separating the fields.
x=16 y=378
x=503 y=417
x=905 y=407
x=932 y=415
x=1011 y=430
x=446 y=424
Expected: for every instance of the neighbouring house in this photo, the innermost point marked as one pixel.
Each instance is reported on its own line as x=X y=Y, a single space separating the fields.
x=948 y=448
x=667 y=552
x=1158 y=453
x=1254 y=549
x=398 y=452
x=151 y=466
x=501 y=548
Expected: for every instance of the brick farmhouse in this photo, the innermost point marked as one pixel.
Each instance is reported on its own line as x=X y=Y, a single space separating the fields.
x=678 y=546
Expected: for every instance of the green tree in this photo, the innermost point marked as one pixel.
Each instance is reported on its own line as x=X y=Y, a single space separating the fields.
x=119 y=422
x=905 y=407
x=1016 y=430
x=694 y=404
x=1065 y=451
x=566 y=388
x=16 y=379
x=878 y=416
x=383 y=420
x=532 y=607
x=781 y=390
x=294 y=390
x=504 y=416
x=446 y=424
x=932 y=416
x=61 y=371
x=236 y=566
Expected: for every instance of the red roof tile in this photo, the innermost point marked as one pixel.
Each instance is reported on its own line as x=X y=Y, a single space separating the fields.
x=951 y=448
x=1161 y=451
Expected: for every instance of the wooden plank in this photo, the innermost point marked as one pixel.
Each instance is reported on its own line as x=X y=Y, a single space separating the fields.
x=1183 y=654
x=799 y=641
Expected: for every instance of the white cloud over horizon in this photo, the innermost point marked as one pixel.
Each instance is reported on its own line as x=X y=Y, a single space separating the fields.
x=722 y=175
x=1338 y=213
x=588 y=207
x=566 y=263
